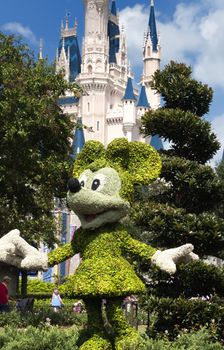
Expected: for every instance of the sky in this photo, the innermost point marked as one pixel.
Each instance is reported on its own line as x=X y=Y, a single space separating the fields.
x=190 y=31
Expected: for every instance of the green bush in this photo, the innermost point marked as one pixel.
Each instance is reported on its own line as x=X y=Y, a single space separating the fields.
x=173 y=316
x=194 y=341
x=50 y=338
x=191 y=280
x=53 y=338
x=65 y=317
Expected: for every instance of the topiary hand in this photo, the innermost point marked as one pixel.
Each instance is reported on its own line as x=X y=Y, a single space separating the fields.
x=166 y=260
x=14 y=250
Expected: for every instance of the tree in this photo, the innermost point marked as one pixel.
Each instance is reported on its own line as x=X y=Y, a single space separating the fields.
x=182 y=207
x=34 y=141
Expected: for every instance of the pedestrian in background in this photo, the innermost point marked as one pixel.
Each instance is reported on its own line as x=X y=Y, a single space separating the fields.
x=4 y=294
x=56 y=301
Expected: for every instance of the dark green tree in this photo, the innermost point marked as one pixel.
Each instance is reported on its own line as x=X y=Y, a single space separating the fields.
x=34 y=141
x=182 y=207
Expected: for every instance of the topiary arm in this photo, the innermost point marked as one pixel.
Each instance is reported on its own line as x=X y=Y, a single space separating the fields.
x=165 y=260
x=61 y=254
x=140 y=249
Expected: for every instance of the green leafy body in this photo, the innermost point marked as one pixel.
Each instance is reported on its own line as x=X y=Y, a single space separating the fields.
x=104 y=271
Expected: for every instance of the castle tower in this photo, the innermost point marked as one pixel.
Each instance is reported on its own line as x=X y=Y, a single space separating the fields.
x=129 y=110
x=95 y=43
x=68 y=59
x=68 y=55
x=103 y=71
x=151 y=58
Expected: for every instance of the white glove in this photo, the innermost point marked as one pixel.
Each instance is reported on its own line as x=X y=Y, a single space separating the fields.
x=166 y=260
x=14 y=250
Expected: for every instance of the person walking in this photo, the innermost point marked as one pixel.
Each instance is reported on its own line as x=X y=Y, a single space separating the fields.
x=56 y=301
x=4 y=294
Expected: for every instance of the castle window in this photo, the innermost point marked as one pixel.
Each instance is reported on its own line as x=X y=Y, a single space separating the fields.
x=98 y=126
x=88 y=107
x=90 y=69
x=98 y=65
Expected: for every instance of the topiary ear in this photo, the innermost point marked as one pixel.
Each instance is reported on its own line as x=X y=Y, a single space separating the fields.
x=144 y=163
x=92 y=151
x=118 y=152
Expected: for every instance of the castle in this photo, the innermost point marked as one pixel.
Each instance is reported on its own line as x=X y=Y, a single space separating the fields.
x=110 y=107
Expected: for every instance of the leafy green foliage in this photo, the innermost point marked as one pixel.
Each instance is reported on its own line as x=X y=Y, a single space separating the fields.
x=190 y=136
x=56 y=338
x=200 y=340
x=43 y=311
x=104 y=272
x=34 y=141
x=173 y=316
x=165 y=226
x=192 y=279
x=195 y=187
x=183 y=207
x=50 y=338
x=179 y=90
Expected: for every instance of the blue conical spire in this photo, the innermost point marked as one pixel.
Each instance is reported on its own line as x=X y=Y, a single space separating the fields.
x=114 y=8
x=129 y=92
x=78 y=139
x=143 y=100
x=152 y=27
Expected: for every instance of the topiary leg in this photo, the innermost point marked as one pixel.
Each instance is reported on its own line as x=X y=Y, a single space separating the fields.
x=97 y=338
x=126 y=337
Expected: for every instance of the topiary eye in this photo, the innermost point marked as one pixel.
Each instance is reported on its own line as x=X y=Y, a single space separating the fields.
x=95 y=184
x=83 y=180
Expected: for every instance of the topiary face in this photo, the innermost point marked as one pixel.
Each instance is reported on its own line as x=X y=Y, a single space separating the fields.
x=97 y=201
x=107 y=179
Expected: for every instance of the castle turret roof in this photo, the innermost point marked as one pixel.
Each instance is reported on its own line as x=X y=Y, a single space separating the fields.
x=143 y=100
x=114 y=8
x=152 y=27
x=78 y=139
x=129 y=92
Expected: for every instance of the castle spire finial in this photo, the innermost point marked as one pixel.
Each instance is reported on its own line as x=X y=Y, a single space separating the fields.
x=62 y=28
x=66 y=20
x=41 y=50
x=76 y=26
x=152 y=3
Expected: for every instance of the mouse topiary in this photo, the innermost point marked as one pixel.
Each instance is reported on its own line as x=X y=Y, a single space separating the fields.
x=101 y=193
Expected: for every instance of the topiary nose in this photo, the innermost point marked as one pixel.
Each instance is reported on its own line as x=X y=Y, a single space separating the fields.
x=74 y=185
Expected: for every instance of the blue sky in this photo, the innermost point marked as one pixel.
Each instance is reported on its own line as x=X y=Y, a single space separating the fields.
x=191 y=32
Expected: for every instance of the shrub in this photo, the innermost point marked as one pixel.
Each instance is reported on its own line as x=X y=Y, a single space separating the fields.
x=50 y=338
x=65 y=317
x=194 y=341
x=172 y=316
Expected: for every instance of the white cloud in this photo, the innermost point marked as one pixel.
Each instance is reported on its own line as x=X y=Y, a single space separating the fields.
x=218 y=129
x=194 y=35
x=18 y=28
x=134 y=20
